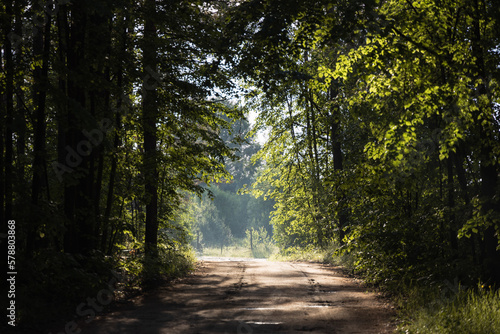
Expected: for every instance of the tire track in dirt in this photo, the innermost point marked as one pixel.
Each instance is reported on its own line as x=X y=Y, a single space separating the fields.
x=236 y=287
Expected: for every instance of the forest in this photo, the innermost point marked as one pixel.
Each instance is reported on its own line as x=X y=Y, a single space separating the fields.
x=125 y=125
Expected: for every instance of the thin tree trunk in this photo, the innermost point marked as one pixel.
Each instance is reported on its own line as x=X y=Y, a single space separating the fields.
x=462 y=181
x=100 y=26
x=315 y=143
x=453 y=238
x=338 y=165
x=122 y=47
x=111 y=189
x=313 y=157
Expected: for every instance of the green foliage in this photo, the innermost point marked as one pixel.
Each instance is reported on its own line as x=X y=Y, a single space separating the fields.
x=259 y=242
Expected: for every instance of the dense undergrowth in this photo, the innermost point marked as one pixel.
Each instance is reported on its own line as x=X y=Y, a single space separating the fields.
x=450 y=309
x=56 y=288
x=427 y=306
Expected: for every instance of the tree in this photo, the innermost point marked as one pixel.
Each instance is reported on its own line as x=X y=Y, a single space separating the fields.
x=403 y=103
x=41 y=54
x=149 y=119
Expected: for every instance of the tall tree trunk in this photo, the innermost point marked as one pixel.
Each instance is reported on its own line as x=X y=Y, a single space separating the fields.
x=40 y=78
x=62 y=111
x=149 y=119
x=77 y=193
x=5 y=61
x=9 y=91
x=20 y=113
x=100 y=26
x=3 y=97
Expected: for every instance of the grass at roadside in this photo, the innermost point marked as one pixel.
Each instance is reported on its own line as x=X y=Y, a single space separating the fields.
x=240 y=251
x=262 y=248
x=450 y=311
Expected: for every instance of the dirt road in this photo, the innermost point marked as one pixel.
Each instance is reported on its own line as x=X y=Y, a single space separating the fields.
x=252 y=296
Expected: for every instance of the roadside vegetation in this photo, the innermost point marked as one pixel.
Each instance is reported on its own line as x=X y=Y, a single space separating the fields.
x=450 y=309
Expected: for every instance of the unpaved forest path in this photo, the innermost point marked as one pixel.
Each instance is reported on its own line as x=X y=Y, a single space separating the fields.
x=252 y=296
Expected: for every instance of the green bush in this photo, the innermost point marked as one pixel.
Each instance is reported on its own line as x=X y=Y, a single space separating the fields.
x=452 y=310
x=260 y=242
x=170 y=264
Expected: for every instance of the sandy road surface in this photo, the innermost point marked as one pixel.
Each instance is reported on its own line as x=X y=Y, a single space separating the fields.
x=248 y=296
